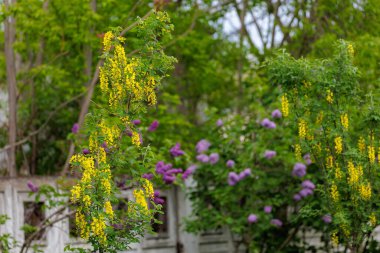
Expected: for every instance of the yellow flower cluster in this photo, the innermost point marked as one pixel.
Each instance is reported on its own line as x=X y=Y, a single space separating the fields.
x=350 y=49
x=136 y=139
x=334 y=238
x=344 y=121
x=338 y=145
x=329 y=96
x=338 y=173
x=103 y=80
x=345 y=229
x=148 y=187
x=106 y=185
x=371 y=154
x=365 y=191
x=87 y=164
x=86 y=200
x=140 y=198
x=361 y=144
x=329 y=162
x=354 y=173
x=108 y=209
x=98 y=226
x=75 y=193
x=334 y=193
x=82 y=224
x=319 y=118
x=285 y=105
x=108 y=36
x=302 y=128
x=298 y=152
x=110 y=133
x=372 y=219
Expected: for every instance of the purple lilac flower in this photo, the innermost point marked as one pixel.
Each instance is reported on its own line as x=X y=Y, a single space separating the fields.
x=233 y=178
x=268 y=124
x=276 y=114
x=327 y=218
x=219 y=122
x=174 y=171
x=276 y=222
x=214 y=158
x=129 y=133
x=308 y=184
x=297 y=197
x=267 y=209
x=156 y=199
x=299 y=170
x=176 y=150
x=161 y=167
x=252 y=218
x=136 y=122
x=203 y=158
x=269 y=154
x=85 y=151
x=32 y=187
x=245 y=173
x=117 y=226
x=104 y=145
x=153 y=126
x=307 y=159
x=189 y=171
x=168 y=179
x=148 y=176
x=305 y=192
x=202 y=146
x=75 y=128
x=230 y=163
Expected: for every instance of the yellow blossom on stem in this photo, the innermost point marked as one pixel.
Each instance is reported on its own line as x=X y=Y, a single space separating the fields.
x=108 y=209
x=136 y=139
x=371 y=154
x=75 y=193
x=108 y=36
x=354 y=174
x=82 y=225
x=98 y=226
x=361 y=144
x=140 y=198
x=334 y=193
x=338 y=145
x=329 y=96
x=372 y=219
x=285 y=105
x=344 y=121
x=86 y=200
x=350 y=50
x=302 y=128
x=298 y=152
x=338 y=173
x=148 y=187
x=334 y=238
x=365 y=191
x=320 y=117
x=329 y=162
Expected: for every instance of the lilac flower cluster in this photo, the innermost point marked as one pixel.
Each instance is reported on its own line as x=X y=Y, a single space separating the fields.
x=269 y=154
x=299 y=170
x=156 y=198
x=176 y=150
x=268 y=124
x=327 y=218
x=234 y=178
x=189 y=171
x=307 y=189
x=32 y=187
x=153 y=126
x=167 y=171
x=136 y=122
x=252 y=218
x=276 y=114
x=276 y=222
x=219 y=122
x=307 y=159
x=230 y=163
x=75 y=128
x=202 y=146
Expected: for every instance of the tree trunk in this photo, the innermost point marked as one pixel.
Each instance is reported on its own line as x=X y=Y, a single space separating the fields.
x=9 y=39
